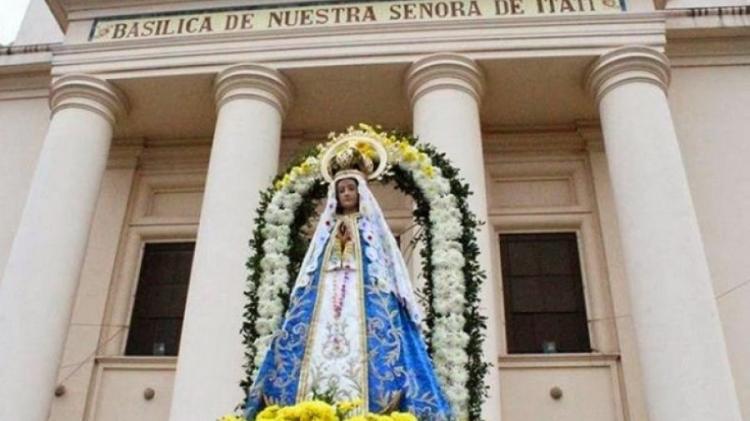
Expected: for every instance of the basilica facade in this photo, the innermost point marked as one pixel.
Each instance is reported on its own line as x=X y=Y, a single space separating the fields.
x=605 y=142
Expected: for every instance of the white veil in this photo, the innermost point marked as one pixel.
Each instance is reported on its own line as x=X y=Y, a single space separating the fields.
x=386 y=265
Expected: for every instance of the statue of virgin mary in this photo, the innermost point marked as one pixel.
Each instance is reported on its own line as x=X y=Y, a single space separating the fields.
x=352 y=328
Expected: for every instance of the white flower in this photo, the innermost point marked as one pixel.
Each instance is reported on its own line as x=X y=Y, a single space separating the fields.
x=448 y=336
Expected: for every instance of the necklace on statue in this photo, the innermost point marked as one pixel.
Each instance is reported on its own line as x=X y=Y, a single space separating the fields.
x=340 y=295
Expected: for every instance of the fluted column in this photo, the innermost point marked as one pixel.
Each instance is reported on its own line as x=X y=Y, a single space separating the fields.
x=445 y=91
x=251 y=102
x=38 y=287
x=683 y=355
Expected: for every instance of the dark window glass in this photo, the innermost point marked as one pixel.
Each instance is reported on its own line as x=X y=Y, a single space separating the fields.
x=156 y=323
x=544 y=305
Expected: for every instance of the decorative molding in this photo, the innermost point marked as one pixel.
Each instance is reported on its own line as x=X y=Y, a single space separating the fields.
x=17 y=94
x=562 y=36
x=555 y=184
x=557 y=360
x=175 y=155
x=444 y=71
x=149 y=371
x=125 y=154
x=591 y=133
x=151 y=187
x=625 y=65
x=27 y=49
x=571 y=139
x=120 y=299
x=498 y=143
x=130 y=362
x=596 y=281
x=253 y=81
x=88 y=93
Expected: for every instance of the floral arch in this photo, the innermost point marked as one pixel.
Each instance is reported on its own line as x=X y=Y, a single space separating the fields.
x=454 y=327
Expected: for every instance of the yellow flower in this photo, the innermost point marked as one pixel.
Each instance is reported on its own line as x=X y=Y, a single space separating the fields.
x=366 y=127
x=289 y=412
x=283 y=182
x=365 y=149
x=402 y=416
x=231 y=417
x=348 y=406
x=268 y=414
x=428 y=170
x=320 y=409
x=410 y=155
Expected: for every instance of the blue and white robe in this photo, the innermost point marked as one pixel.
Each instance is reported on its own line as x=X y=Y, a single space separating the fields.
x=347 y=330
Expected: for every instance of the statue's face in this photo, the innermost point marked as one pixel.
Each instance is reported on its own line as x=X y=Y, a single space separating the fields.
x=347 y=194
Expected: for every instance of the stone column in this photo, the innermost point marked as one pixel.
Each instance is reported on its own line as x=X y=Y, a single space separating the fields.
x=686 y=371
x=445 y=91
x=38 y=288
x=251 y=102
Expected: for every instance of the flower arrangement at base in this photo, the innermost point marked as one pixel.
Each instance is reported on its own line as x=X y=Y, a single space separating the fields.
x=317 y=410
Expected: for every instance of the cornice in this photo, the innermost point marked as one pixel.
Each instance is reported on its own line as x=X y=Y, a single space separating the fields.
x=255 y=81
x=59 y=12
x=175 y=155
x=564 y=138
x=89 y=93
x=625 y=65
x=25 y=59
x=124 y=153
x=591 y=133
x=444 y=71
x=366 y=44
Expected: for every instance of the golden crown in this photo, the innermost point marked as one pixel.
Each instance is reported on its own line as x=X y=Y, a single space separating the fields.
x=356 y=151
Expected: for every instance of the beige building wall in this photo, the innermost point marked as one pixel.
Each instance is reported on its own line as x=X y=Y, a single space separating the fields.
x=152 y=191
x=24 y=116
x=711 y=106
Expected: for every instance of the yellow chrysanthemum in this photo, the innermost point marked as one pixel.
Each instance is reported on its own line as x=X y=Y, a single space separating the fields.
x=366 y=149
x=308 y=166
x=410 y=155
x=231 y=417
x=288 y=413
x=268 y=414
x=403 y=416
x=348 y=406
x=367 y=127
x=428 y=170
x=283 y=182
x=320 y=409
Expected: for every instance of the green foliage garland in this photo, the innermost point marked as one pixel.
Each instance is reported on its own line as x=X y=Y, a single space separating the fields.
x=476 y=323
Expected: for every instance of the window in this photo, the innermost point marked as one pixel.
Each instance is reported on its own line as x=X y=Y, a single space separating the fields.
x=544 y=304
x=156 y=322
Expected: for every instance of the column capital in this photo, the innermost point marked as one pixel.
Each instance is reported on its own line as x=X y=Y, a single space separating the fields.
x=89 y=93
x=444 y=71
x=633 y=63
x=255 y=81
